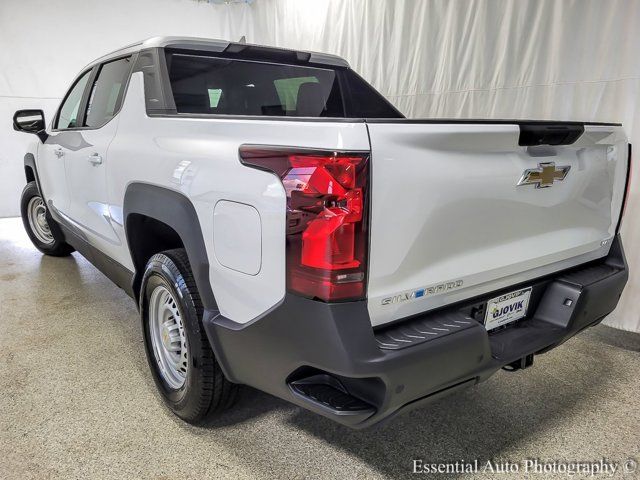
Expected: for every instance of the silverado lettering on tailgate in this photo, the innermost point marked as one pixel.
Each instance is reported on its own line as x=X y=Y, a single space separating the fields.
x=422 y=292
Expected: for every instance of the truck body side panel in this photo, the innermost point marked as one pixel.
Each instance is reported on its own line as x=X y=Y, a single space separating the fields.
x=199 y=158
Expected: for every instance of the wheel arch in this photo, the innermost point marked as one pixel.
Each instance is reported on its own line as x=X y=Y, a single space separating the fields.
x=29 y=174
x=31 y=171
x=173 y=220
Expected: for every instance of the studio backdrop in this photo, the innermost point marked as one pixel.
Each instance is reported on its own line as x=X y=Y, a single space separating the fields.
x=542 y=59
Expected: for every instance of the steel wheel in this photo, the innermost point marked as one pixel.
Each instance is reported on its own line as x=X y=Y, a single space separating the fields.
x=183 y=364
x=37 y=214
x=168 y=337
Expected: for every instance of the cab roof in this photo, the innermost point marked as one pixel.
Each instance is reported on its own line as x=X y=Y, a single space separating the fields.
x=220 y=46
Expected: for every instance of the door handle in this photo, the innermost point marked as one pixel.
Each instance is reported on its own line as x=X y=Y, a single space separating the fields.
x=58 y=152
x=95 y=159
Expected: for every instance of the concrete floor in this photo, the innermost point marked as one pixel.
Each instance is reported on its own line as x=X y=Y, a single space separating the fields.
x=77 y=401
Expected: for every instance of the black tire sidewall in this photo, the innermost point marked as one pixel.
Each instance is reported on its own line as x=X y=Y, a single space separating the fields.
x=58 y=247
x=162 y=271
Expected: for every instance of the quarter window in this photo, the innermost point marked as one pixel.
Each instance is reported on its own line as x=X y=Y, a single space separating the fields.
x=68 y=115
x=107 y=92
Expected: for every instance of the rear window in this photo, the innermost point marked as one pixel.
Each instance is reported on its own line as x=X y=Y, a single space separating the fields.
x=213 y=85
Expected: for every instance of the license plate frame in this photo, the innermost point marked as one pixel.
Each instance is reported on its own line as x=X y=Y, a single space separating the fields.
x=509 y=307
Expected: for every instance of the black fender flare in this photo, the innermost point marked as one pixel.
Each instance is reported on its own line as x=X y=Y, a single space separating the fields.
x=30 y=162
x=176 y=211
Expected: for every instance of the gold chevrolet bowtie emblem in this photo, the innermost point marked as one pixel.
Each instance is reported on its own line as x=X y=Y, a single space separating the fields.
x=544 y=175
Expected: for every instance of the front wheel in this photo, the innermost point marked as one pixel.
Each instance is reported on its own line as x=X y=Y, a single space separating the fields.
x=182 y=363
x=40 y=226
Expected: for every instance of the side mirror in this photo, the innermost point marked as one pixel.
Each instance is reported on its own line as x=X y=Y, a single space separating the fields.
x=30 y=121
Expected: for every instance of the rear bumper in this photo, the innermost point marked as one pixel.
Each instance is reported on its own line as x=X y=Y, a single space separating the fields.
x=368 y=376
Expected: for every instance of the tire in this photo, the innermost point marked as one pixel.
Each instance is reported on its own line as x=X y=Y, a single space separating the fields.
x=43 y=231
x=195 y=388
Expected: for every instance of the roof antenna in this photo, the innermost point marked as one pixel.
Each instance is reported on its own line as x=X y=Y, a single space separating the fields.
x=243 y=39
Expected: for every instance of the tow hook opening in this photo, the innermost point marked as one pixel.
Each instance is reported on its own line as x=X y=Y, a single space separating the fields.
x=521 y=364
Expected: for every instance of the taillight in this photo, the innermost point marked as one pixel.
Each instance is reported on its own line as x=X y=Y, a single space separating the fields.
x=627 y=187
x=327 y=215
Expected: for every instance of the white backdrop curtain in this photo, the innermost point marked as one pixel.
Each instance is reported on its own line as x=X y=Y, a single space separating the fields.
x=544 y=59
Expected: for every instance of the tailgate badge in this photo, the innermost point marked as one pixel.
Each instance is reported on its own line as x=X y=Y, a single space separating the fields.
x=422 y=292
x=544 y=175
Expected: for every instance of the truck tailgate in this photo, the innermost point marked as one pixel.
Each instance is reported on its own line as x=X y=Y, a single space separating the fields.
x=450 y=222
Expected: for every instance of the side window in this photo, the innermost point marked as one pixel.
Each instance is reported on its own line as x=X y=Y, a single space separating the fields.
x=107 y=92
x=68 y=115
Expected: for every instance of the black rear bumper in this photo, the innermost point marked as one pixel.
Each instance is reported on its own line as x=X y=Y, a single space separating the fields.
x=327 y=357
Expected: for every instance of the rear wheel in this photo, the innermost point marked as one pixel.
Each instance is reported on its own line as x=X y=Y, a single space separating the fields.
x=40 y=226
x=182 y=363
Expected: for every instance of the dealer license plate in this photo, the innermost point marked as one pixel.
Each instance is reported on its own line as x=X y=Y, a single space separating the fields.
x=507 y=308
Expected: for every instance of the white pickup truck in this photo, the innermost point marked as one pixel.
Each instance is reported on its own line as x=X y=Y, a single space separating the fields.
x=281 y=225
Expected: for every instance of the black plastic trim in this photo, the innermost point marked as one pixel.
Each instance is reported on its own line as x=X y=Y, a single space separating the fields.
x=422 y=329
x=158 y=98
x=328 y=393
x=405 y=333
x=549 y=134
x=471 y=121
x=302 y=338
x=485 y=121
x=627 y=186
x=113 y=270
x=41 y=133
x=30 y=162
x=338 y=340
x=277 y=118
x=240 y=51
x=175 y=210
x=84 y=101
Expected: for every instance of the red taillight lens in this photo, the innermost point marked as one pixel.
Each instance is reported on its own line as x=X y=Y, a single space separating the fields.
x=326 y=218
